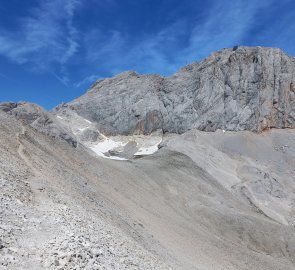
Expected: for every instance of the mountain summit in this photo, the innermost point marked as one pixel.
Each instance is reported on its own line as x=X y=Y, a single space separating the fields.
x=244 y=88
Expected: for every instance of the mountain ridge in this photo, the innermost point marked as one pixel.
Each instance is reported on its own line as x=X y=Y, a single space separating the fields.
x=243 y=88
x=247 y=88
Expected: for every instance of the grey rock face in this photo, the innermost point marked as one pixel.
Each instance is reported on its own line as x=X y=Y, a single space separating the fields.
x=126 y=104
x=245 y=89
x=39 y=119
x=249 y=88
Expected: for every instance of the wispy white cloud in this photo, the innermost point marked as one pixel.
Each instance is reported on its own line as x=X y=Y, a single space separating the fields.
x=61 y=78
x=280 y=33
x=4 y=76
x=87 y=80
x=226 y=25
x=116 y=52
x=46 y=38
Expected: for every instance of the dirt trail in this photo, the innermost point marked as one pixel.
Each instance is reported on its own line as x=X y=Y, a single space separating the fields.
x=43 y=202
x=21 y=150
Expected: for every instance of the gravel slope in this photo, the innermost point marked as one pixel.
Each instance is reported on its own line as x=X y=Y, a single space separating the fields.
x=203 y=201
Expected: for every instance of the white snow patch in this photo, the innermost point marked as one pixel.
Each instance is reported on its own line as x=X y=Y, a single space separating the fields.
x=149 y=150
x=87 y=121
x=82 y=129
x=145 y=145
x=105 y=146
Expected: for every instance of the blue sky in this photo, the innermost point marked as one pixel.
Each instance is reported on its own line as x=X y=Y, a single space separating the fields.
x=51 y=51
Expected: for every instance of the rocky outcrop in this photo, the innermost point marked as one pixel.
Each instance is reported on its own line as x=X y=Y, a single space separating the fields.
x=126 y=104
x=38 y=118
x=245 y=88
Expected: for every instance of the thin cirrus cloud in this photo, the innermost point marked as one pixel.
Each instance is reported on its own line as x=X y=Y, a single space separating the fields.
x=46 y=39
x=4 y=76
x=226 y=24
x=118 y=51
x=87 y=80
x=281 y=32
x=51 y=36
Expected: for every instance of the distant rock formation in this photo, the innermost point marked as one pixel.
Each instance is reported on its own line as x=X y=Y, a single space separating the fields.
x=245 y=88
x=38 y=118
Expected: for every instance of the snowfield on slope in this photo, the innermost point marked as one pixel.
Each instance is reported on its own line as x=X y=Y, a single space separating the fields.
x=113 y=147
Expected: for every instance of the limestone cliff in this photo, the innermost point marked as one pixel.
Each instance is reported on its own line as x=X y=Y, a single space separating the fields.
x=245 y=88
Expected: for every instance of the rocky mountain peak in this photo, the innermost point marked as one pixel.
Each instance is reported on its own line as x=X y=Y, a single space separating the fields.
x=240 y=88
